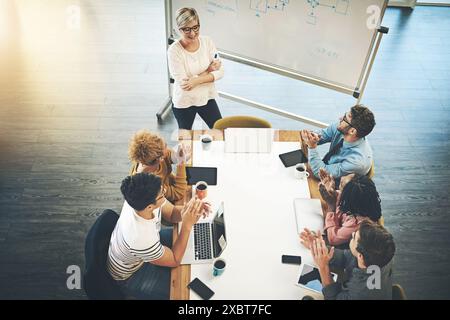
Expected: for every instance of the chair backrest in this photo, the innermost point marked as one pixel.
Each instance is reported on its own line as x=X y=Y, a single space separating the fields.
x=371 y=172
x=398 y=293
x=98 y=283
x=241 y=122
x=134 y=167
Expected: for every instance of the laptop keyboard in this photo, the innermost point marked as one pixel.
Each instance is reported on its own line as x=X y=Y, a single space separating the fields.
x=202 y=241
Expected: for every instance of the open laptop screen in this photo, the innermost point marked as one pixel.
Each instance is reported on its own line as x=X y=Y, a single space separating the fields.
x=220 y=238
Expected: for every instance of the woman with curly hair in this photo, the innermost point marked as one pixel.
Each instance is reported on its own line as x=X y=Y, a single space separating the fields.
x=150 y=154
x=355 y=201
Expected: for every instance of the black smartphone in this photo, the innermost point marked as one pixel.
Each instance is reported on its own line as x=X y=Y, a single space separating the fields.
x=201 y=289
x=291 y=259
x=292 y=158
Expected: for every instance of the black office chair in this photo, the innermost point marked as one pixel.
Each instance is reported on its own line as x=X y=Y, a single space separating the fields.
x=98 y=283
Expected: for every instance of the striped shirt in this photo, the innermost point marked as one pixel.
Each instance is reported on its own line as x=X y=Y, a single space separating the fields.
x=134 y=241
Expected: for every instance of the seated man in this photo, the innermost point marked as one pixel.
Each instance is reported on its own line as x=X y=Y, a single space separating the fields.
x=139 y=257
x=367 y=265
x=349 y=152
x=356 y=200
x=150 y=153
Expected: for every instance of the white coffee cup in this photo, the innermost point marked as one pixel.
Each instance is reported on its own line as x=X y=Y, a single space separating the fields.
x=201 y=190
x=206 y=141
x=300 y=171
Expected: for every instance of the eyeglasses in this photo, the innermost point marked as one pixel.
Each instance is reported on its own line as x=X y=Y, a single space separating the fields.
x=188 y=30
x=344 y=118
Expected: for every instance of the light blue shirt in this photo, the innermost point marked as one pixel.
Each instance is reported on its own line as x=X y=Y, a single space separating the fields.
x=354 y=157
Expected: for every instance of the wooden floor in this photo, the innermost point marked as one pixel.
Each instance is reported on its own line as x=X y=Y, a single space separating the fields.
x=71 y=98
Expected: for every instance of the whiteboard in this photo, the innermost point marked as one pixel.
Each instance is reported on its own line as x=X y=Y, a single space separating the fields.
x=325 y=40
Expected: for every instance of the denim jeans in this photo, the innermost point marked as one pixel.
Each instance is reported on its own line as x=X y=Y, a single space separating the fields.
x=150 y=282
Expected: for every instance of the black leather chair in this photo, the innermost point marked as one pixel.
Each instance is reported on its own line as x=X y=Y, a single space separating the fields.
x=98 y=283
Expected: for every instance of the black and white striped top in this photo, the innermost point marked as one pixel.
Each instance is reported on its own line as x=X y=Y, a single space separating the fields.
x=134 y=241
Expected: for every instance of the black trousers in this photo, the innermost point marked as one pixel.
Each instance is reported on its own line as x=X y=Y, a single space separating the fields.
x=210 y=113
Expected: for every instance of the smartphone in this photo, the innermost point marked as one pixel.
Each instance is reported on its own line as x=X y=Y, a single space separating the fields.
x=291 y=259
x=292 y=158
x=201 y=289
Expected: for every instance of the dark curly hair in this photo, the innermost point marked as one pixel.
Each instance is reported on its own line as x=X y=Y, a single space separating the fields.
x=141 y=190
x=360 y=198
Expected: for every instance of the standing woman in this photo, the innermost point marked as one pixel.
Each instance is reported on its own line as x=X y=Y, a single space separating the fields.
x=194 y=64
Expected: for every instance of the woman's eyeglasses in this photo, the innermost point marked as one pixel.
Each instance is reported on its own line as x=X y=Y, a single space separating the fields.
x=188 y=30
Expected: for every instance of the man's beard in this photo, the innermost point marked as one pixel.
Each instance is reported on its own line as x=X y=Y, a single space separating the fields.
x=345 y=130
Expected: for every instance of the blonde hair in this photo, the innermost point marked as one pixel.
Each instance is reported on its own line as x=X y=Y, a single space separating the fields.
x=185 y=16
x=145 y=147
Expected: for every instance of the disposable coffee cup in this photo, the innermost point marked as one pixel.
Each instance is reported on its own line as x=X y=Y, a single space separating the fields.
x=219 y=267
x=300 y=171
x=206 y=141
x=201 y=190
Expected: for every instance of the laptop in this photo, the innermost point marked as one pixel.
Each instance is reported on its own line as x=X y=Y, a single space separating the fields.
x=207 y=240
x=308 y=214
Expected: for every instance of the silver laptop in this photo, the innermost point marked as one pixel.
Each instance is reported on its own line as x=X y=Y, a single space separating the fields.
x=308 y=214
x=207 y=240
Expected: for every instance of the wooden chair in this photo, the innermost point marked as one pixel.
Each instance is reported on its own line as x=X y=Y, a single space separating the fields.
x=133 y=169
x=241 y=122
x=371 y=172
x=398 y=293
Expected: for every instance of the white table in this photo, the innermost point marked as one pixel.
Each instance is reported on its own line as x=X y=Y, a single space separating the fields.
x=258 y=193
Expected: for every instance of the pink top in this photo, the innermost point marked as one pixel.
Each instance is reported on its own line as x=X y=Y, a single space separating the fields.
x=339 y=226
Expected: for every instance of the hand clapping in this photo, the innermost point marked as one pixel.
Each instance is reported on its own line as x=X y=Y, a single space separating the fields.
x=310 y=138
x=327 y=189
x=307 y=237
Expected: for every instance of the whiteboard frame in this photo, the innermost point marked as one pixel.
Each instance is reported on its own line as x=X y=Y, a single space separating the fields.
x=355 y=92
